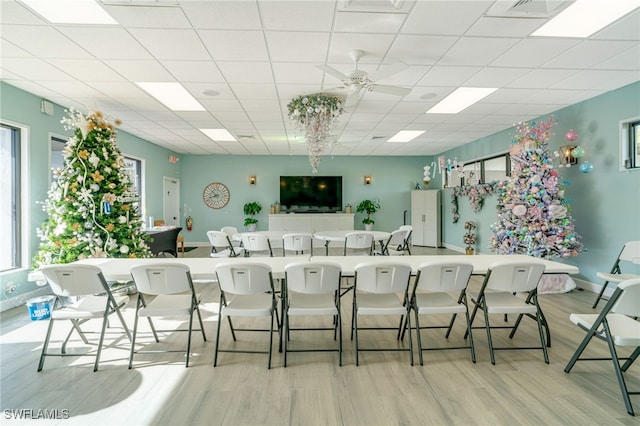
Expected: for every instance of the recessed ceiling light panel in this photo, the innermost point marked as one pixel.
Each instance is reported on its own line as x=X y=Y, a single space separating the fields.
x=405 y=135
x=218 y=135
x=71 y=12
x=172 y=95
x=460 y=99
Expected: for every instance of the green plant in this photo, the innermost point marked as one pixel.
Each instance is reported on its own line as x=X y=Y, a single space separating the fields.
x=251 y=209
x=368 y=207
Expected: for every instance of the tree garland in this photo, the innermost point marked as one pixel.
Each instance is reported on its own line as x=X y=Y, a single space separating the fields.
x=476 y=194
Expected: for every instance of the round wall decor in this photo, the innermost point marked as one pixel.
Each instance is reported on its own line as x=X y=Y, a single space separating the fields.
x=216 y=195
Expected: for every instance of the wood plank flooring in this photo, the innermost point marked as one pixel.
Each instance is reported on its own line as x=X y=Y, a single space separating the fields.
x=313 y=390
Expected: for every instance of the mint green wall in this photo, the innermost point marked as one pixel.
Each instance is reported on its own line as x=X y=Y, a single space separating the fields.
x=392 y=180
x=20 y=107
x=605 y=204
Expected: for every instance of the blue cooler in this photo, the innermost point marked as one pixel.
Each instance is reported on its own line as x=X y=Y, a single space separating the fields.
x=40 y=307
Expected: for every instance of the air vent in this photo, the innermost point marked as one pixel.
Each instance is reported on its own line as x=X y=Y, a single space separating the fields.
x=246 y=137
x=373 y=138
x=527 y=8
x=375 y=6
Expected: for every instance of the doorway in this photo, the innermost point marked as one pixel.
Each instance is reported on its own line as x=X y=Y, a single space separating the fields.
x=171 y=200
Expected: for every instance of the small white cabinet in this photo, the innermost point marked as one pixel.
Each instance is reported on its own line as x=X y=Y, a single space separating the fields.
x=311 y=222
x=425 y=218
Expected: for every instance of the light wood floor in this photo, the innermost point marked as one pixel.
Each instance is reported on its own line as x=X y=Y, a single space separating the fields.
x=313 y=390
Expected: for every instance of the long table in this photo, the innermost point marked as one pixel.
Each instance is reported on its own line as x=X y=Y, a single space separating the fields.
x=117 y=269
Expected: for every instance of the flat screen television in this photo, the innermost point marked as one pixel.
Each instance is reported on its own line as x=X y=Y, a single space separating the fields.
x=310 y=194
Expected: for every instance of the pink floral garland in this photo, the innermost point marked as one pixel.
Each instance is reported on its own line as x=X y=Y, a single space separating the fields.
x=476 y=194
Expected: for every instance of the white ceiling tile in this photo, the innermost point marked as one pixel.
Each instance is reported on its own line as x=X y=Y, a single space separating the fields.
x=87 y=69
x=194 y=71
x=598 y=79
x=589 y=53
x=10 y=50
x=224 y=15
x=140 y=70
x=12 y=12
x=420 y=49
x=541 y=78
x=44 y=42
x=34 y=69
x=503 y=27
x=448 y=76
x=495 y=77
x=216 y=104
x=297 y=73
x=299 y=47
x=374 y=45
x=252 y=72
x=444 y=17
x=118 y=89
x=110 y=42
x=148 y=17
x=253 y=91
x=627 y=60
x=74 y=89
x=210 y=91
x=235 y=45
x=626 y=28
x=361 y=22
x=297 y=16
x=171 y=44
x=476 y=51
x=531 y=53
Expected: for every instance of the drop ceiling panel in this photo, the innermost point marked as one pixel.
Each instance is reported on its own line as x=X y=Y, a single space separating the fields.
x=235 y=45
x=448 y=76
x=420 y=49
x=297 y=73
x=361 y=22
x=530 y=53
x=140 y=70
x=87 y=69
x=44 y=42
x=108 y=42
x=477 y=51
x=441 y=17
x=171 y=44
x=148 y=17
x=34 y=69
x=589 y=53
x=297 y=16
x=254 y=72
x=224 y=15
x=374 y=45
x=298 y=47
x=194 y=71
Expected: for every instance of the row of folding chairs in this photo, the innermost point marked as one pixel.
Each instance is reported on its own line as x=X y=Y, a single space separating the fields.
x=310 y=288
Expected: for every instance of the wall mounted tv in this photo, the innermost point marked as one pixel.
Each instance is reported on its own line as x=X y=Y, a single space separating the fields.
x=310 y=194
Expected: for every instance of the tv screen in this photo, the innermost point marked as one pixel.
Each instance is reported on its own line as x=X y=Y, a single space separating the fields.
x=310 y=194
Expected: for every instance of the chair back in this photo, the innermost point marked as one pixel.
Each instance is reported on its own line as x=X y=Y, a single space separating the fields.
x=396 y=239
x=443 y=277
x=409 y=230
x=631 y=251
x=358 y=240
x=229 y=230
x=245 y=278
x=256 y=242
x=313 y=278
x=382 y=278
x=514 y=276
x=218 y=239
x=297 y=242
x=628 y=302
x=75 y=280
x=162 y=278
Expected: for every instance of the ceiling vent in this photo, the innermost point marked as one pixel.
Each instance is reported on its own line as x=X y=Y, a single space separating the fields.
x=375 y=6
x=527 y=8
x=246 y=137
x=375 y=138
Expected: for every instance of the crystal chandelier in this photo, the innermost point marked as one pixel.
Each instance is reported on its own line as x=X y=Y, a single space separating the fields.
x=317 y=116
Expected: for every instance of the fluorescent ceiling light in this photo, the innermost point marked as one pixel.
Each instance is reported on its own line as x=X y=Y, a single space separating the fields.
x=585 y=17
x=172 y=95
x=71 y=12
x=405 y=135
x=460 y=99
x=218 y=135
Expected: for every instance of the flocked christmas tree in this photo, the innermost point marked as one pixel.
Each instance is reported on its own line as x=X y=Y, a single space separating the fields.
x=92 y=209
x=533 y=215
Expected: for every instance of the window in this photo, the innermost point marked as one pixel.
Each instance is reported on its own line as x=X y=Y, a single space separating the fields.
x=630 y=144
x=10 y=184
x=486 y=170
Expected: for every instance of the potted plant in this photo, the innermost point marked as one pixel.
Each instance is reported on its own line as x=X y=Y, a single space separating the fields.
x=368 y=207
x=470 y=236
x=251 y=209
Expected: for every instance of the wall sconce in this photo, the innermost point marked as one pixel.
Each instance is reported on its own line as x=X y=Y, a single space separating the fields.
x=566 y=155
x=173 y=159
x=367 y=180
x=252 y=180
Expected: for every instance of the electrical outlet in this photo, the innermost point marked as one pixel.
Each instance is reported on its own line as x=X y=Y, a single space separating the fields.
x=11 y=288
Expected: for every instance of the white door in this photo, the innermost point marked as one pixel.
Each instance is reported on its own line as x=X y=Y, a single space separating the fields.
x=171 y=198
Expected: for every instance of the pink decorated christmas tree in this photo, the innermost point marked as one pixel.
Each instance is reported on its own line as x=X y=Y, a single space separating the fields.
x=533 y=215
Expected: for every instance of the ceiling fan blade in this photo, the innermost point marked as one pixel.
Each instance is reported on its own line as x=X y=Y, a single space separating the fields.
x=334 y=72
x=390 y=90
x=352 y=99
x=388 y=71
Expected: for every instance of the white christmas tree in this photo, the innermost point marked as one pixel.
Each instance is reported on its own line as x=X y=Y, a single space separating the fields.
x=92 y=209
x=533 y=216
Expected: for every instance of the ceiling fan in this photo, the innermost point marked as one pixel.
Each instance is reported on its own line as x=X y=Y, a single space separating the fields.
x=358 y=81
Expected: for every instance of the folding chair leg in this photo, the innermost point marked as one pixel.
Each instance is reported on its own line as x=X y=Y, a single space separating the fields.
x=204 y=337
x=186 y=362
x=469 y=331
x=354 y=329
x=631 y=359
x=604 y=287
x=133 y=340
x=488 y=327
x=215 y=353
x=453 y=319
x=542 y=342
x=418 y=336
x=616 y=366
x=340 y=334
x=410 y=339
x=105 y=319
x=45 y=345
x=579 y=350
x=286 y=337
x=271 y=339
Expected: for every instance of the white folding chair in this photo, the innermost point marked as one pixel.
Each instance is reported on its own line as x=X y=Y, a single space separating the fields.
x=431 y=296
x=358 y=243
x=376 y=288
x=407 y=240
x=617 y=325
x=246 y=290
x=630 y=253
x=312 y=289
x=394 y=244
x=256 y=245
x=221 y=245
x=94 y=300
x=297 y=243
x=173 y=294
x=231 y=231
x=499 y=295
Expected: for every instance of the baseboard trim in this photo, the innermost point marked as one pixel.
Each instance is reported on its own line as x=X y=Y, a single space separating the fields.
x=593 y=288
x=21 y=299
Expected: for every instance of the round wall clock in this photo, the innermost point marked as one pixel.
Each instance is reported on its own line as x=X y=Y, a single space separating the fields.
x=216 y=195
